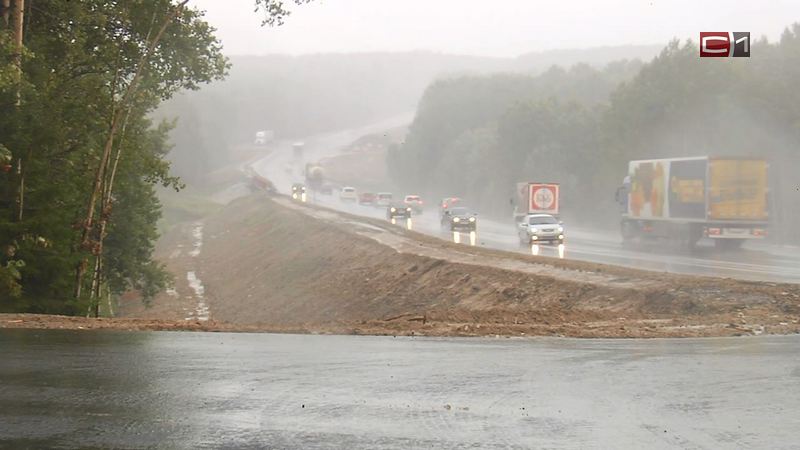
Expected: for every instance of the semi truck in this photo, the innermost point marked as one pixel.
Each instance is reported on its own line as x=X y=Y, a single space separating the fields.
x=685 y=199
x=536 y=198
x=315 y=176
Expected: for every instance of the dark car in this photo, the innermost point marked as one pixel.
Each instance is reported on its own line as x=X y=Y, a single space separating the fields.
x=299 y=192
x=398 y=211
x=459 y=218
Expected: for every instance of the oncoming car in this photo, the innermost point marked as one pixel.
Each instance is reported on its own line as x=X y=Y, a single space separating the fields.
x=398 y=211
x=460 y=218
x=299 y=192
x=540 y=229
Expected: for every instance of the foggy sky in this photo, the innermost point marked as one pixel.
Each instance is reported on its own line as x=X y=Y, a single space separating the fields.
x=487 y=27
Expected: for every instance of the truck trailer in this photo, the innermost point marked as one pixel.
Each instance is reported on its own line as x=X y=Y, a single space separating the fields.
x=722 y=198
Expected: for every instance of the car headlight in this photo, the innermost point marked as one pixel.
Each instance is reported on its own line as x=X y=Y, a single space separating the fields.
x=408 y=209
x=456 y=219
x=534 y=237
x=561 y=236
x=472 y=219
x=392 y=210
x=560 y=229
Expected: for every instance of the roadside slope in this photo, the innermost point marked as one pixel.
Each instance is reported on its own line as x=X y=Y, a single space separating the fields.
x=272 y=264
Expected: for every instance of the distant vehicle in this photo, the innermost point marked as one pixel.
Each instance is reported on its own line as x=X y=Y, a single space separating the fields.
x=297 y=149
x=366 y=198
x=383 y=199
x=447 y=203
x=398 y=211
x=536 y=198
x=540 y=229
x=414 y=202
x=348 y=194
x=264 y=137
x=299 y=192
x=459 y=218
x=315 y=176
x=685 y=199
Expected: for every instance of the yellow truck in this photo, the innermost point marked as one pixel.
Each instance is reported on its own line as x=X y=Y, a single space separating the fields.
x=722 y=198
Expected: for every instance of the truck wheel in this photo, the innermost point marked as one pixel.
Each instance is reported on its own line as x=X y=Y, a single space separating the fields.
x=695 y=234
x=629 y=231
x=728 y=244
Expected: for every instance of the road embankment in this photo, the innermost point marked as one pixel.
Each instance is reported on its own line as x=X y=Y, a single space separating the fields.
x=271 y=263
x=268 y=264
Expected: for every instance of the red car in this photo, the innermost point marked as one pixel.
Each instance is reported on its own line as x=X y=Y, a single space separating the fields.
x=449 y=202
x=366 y=198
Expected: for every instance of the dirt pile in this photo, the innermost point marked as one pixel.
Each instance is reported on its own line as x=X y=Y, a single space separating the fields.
x=274 y=265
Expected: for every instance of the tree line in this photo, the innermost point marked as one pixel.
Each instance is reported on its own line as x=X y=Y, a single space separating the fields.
x=476 y=136
x=80 y=155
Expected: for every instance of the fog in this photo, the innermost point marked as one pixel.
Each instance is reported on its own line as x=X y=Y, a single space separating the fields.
x=477 y=27
x=477 y=77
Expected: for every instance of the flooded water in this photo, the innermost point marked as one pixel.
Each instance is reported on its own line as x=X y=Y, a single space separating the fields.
x=210 y=390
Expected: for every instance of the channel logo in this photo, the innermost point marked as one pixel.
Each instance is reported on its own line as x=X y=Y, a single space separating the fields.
x=723 y=44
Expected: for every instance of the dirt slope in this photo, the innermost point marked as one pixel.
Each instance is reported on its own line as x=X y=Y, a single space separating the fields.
x=269 y=264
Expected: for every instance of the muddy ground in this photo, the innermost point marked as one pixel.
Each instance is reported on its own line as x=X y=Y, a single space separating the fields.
x=266 y=264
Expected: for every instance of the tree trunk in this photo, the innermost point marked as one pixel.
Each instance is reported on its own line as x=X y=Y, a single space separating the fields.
x=124 y=104
x=6 y=5
x=19 y=12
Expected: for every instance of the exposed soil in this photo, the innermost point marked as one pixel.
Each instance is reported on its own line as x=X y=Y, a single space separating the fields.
x=270 y=265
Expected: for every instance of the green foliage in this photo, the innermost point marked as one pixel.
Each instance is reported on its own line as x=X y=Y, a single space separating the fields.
x=275 y=11
x=80 y=57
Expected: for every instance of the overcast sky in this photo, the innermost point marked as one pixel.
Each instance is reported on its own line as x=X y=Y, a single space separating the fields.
x=488 y=27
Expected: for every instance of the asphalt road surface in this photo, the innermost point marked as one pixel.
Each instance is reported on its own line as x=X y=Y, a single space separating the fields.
x=73 y=389
x=753 y=262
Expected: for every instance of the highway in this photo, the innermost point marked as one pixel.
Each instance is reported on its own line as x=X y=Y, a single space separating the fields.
x=754 y=262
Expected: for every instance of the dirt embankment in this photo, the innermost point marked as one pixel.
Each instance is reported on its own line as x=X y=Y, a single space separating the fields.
x=280 y=266
x=270 y=265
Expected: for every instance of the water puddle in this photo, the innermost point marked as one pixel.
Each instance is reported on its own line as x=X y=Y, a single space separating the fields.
x=201 y=310
x=195 y=284
x=197 y=234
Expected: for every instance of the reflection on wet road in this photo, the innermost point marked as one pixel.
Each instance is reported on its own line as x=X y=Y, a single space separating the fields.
x=195 y=390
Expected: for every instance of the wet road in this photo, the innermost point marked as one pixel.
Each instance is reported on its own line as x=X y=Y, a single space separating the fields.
x=206 y=390
x=754 y=262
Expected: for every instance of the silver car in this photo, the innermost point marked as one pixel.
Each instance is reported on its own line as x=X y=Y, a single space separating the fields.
x=541 y=229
